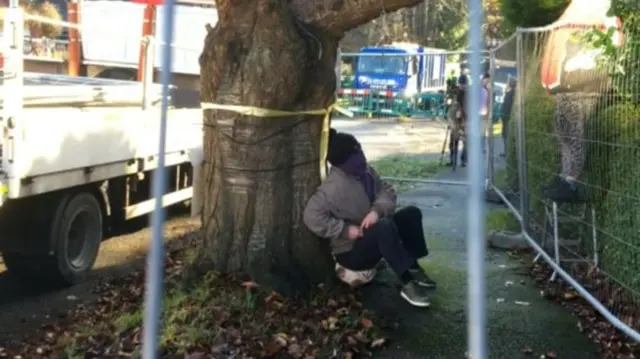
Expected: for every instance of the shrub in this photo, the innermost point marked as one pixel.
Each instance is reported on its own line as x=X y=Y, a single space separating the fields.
x=618 y=204
x=542 y=147
x=532 y=13
x=611 y=171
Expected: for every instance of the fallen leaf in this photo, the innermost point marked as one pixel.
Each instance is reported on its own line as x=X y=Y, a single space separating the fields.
x=526 y=351
x=250 y=285
x=551 y=355
x=196 y=355
x=570 y=295
x=295 y=351
x=273 y=347
x=377 y=343
x=366 y=323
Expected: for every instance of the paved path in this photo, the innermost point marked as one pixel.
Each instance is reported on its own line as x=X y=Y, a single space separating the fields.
x=383 y=137
x=517 y=316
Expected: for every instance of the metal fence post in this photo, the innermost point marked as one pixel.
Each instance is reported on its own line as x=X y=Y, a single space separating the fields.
x=489 y=129
x=521 y=143
x=148 y=69
x=338 y=70
x=476 y=300
x=13 y=86
x=155 y=259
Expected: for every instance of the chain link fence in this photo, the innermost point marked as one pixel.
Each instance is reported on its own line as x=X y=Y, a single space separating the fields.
x=571 y=171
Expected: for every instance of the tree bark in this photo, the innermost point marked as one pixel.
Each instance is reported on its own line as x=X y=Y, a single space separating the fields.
x=259 y=172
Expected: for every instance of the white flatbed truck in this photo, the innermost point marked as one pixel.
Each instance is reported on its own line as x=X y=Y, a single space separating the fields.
x=77 y=158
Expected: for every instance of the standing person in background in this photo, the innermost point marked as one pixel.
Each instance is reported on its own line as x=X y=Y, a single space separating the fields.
x=457 y=118
x=451 y=81
x=569 y=72
x=505 y=112
x=485 y=102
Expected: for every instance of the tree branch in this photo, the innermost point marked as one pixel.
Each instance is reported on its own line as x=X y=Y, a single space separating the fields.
x=339 y=16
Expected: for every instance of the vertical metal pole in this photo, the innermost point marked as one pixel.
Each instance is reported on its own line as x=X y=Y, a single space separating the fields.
x=155 y=259
x=521 y=137
x=338 y=70
x=74 y=58
x=556 y=238
x=594 y=236
x=489 y=129
x=476 y=216
x=13 y=86
x=148 y=46
x=148 y=22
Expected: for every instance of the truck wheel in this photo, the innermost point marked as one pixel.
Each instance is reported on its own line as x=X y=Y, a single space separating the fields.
x=76 y=233
x=75 y=236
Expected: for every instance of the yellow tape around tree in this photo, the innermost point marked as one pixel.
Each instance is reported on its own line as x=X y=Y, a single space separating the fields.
x=263 y=112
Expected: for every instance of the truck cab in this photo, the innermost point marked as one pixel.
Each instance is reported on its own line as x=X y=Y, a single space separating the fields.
x=383 y=69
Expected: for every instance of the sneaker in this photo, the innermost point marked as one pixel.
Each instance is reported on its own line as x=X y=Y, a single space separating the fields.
x=463 y=164
x=415 y=295
x=422 y=279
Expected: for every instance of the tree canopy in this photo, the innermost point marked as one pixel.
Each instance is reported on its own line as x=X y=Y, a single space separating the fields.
x=531 y=13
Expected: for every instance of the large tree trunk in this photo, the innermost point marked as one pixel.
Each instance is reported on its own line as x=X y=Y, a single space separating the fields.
x=259 y=172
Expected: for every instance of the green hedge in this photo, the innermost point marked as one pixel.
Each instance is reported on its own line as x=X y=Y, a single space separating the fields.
x=612 y=172
x=532 y=13
x=619 y=207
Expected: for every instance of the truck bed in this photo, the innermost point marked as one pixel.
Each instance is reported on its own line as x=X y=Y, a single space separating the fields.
x=72 y=123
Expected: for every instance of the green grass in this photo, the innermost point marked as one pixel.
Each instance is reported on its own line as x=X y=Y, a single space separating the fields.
x=500 y=178
x=501 y=220
x=405 y=166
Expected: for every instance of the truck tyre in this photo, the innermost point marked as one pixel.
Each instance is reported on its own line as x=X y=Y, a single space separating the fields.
x=75 y=236
x=76 y=233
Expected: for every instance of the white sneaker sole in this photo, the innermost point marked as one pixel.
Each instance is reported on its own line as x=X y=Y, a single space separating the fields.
x=425 y=285
x=413 y=302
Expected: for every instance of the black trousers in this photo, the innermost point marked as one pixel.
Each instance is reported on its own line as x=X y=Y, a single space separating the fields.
x=505 y=130
x=399 y=240
x=455 y=148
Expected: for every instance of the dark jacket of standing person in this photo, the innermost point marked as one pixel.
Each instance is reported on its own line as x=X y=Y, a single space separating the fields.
x=507 y=103
x=462 y=94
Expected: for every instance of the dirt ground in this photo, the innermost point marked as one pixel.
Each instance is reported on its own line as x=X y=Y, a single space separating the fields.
x=25 y=307
x=439 y=332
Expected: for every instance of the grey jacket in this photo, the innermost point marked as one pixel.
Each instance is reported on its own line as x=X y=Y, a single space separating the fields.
x=341 y=200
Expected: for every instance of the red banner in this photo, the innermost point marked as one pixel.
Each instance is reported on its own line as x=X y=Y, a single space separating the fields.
x=148 y=2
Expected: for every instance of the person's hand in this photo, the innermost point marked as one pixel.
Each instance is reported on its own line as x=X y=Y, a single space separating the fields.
x=370 y=220
x=458 y=114
x=354 y=232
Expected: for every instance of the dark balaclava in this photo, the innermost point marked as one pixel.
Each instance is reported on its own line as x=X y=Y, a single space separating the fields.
x=345 y=152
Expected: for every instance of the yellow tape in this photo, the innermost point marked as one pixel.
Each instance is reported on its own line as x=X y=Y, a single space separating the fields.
x=263 y=112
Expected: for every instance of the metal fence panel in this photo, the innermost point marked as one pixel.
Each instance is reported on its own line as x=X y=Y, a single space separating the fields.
x=576 y=191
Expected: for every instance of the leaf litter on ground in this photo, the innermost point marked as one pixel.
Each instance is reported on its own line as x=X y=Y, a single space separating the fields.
x=216 y=316
x=613 y=343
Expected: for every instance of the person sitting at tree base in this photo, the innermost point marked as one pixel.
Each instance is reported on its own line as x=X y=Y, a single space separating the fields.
x=356 y=211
